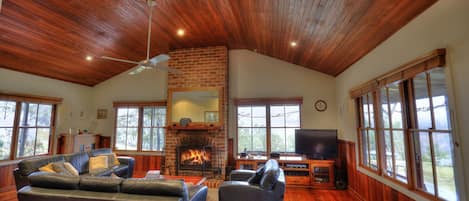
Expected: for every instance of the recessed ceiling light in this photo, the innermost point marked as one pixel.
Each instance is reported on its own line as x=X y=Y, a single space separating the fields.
x=89 y=58
x=293 y=44
x=181 y=32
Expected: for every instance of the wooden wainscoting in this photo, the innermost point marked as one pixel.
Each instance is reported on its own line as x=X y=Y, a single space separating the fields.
x=361 y=185
x=7 y=183
x=143 y=163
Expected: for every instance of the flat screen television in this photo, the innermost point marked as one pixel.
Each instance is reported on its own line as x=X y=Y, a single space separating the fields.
x=318 y=144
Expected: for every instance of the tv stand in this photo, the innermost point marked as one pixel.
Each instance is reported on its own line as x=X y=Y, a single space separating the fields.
x=298 y=171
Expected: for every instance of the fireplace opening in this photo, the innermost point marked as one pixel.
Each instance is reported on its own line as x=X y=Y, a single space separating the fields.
x=194 y=157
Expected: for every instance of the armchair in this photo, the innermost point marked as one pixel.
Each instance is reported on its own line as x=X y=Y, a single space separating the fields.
x=267 y=183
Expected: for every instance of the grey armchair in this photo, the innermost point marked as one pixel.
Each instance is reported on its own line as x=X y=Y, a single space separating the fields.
x=267 y=183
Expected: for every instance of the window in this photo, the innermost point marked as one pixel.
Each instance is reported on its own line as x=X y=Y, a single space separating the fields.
x=367 y=135
x=431 y=134
x=140 y=126
x=393 y=133
x=284 y=120
x=252 y=129
x=7 y=119
x=265 y=126
x=26 y=125
x=411 y=115
x=34 y=129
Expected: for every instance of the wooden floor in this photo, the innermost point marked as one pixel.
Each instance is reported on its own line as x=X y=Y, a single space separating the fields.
x=291 y=194
x=305 y=194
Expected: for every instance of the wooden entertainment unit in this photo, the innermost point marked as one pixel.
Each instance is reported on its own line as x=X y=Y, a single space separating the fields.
x=298 y=171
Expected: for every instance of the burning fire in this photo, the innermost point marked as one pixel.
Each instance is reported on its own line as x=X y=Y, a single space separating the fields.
x=195 y=157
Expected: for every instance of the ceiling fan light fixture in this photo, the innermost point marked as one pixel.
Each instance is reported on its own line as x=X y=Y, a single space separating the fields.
x=89 y=58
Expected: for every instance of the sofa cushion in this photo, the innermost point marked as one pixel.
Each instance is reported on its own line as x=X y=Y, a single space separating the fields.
x=29 y=166
x=271 y=174
x=256 y=178
x=120 y=170
x=79 y=161
x=100 y=184
x=155 y=187
x=53 y=180
x=103 y=173
x=97 y=152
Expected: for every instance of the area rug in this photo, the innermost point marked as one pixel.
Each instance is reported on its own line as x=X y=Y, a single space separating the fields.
x=212 y=194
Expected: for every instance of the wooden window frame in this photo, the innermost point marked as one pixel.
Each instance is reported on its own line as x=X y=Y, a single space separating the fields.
x=140 y=105
x=362 y=128
x=267 y=102
x=26 y=98
x=404 y=74
x=152 y=127
x=404 y=130
x=413 y=128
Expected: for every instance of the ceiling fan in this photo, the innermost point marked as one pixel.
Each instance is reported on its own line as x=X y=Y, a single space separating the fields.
x=148 y=63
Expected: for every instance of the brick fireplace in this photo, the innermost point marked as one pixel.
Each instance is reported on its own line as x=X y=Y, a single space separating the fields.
x=200 y=67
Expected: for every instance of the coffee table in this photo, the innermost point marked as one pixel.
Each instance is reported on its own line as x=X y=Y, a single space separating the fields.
x=195 y=180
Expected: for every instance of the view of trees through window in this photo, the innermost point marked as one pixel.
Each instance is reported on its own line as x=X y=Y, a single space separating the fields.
x=7 y=118
x=257 y=123
x=392 y=127
x=34 y=129
x=432 y=135
x=150 y=128
x=154 y=119
x=367 y=136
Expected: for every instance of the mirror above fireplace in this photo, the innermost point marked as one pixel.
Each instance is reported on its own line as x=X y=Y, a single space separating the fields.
x=201 y=105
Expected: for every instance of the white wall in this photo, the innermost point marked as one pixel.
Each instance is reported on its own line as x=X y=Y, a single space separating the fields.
x=253 y=75
x=444 y=25
x=76 y=98
x=150 y=85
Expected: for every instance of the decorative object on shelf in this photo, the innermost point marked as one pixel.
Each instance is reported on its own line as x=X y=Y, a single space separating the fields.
x=320 y=105
x=185 y=121
x=102 y=114
x=211 y=116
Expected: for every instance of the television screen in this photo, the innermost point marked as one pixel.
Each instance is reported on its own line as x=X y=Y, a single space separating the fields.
x=316 y=143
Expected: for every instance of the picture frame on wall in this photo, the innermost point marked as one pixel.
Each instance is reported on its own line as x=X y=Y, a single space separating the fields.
x=101 y=114
x=211 y=116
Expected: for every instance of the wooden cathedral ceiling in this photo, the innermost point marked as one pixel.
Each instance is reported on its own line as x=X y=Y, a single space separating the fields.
x=51 y=38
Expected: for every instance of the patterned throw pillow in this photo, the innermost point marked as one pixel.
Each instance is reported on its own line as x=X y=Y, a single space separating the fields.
x=47 y=168
x=112 y=159
x=71 y=169
x=98 y=163
x=60 y=168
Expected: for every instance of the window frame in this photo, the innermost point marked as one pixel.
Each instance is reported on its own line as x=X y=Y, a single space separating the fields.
x=19 y=99
x=405 y=75
x=361 y=128
x=140 y=105
x=267 y=102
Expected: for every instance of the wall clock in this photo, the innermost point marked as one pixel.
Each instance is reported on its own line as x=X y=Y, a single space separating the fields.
x=320 y=105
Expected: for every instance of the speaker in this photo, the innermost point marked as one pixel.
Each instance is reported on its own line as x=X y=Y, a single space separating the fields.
x=341 y=176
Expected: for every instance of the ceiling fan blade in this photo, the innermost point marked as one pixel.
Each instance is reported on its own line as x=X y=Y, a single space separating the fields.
x=159 y=58
x=137 y=70
x=120 y=60
x=170 y=70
